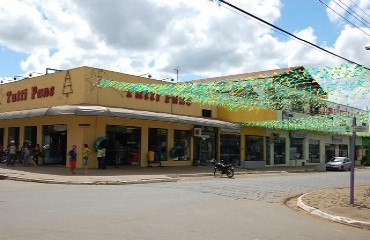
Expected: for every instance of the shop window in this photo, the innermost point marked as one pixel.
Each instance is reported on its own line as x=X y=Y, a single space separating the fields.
x=181 y=148
x=279 y=151
x=268 y=147
x=343 y=150
x=2 y=138
x=124 y=145
x=13 y=135
x=254 y=148
x=296 y=148
x=314 y=151
x=205 y=146
x=157 y=139
x=206 y=113
x=230 y=148
x=54 y=143
x=30 y=135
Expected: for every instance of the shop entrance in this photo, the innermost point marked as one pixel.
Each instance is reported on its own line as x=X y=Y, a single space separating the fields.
x=329 y=152
x=205 y=145
x=54 y=144
x=230 y=148
x=124 y=145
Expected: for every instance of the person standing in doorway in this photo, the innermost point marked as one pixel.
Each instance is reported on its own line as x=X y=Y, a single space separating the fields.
x=100 y=156
x=36 y=153
x=85 y=156
x=72 y=159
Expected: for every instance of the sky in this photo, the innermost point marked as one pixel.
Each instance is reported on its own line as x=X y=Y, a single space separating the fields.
x=199 y=38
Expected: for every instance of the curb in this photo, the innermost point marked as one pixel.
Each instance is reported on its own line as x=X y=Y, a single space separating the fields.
x=99 y=182
x=171 y=178
x=334 y=218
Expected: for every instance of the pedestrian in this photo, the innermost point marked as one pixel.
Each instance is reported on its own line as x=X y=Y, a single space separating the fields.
x=85 y=156
x=12 y=150
x=26 y=155
x=36 y=153
x=100 y=156
x=72 y=159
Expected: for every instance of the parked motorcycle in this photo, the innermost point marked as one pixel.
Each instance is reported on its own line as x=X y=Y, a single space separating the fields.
x=222 y=168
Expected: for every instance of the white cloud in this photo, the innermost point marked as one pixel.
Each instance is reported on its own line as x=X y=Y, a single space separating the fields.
x=155 y=36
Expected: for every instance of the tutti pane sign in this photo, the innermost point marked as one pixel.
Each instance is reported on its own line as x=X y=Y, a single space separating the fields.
x=360 y=128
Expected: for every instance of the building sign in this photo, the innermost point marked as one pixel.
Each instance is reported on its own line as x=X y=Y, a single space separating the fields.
x=285 y=115
x=25 y=94
x=336 y=139
x=297 y=135
x=157 y=98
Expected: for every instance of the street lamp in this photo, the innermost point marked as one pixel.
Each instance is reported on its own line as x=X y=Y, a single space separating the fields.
x=33 y=73
x=16 y=77
x=146 y=74
x=177 y=74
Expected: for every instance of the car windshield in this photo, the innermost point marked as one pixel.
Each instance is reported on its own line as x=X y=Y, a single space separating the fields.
x=337 y=160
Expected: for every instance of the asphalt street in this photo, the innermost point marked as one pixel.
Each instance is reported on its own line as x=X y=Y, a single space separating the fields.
x=209 y=208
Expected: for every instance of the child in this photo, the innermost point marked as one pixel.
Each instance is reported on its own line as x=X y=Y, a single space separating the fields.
x=85 y=156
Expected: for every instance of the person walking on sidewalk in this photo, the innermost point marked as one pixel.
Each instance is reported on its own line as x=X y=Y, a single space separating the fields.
x=36 y=153
x=85 y=156
x=26 y=155
x=72 y=159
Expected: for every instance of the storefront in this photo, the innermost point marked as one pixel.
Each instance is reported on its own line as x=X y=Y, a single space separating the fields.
x=65 y=108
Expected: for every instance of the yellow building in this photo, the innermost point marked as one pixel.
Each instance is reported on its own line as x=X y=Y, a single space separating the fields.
x=65 y=108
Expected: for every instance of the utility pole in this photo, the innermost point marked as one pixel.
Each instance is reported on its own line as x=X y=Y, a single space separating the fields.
x=352 y=159
x=177 y=74
x=177 y=80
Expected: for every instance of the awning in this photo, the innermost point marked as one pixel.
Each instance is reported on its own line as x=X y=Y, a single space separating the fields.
x=82 y=110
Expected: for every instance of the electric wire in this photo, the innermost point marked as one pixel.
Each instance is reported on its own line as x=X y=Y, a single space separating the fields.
x=359 y=8
x=354 y=12
x=288 y=33
x=262 y=24
x=344 y=17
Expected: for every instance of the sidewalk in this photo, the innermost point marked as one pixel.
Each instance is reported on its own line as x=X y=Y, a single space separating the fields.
x=332 y=204
x=123 y=174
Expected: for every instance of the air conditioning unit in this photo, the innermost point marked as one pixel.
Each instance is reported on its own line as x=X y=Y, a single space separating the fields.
x=197 y=132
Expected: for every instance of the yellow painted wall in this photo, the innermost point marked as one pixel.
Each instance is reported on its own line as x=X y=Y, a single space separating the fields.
x=77 y=86
x=246 y=116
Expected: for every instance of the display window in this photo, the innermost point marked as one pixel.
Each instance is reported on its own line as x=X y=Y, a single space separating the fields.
x=181 y=149
x=13 y=135
x=296 y=148
x=254 y=148
x=230 y=148
x=314 y=151
x=158 y=140
x=123 y=146
x=279 y=151
x=54 y=144
x=205 y=145
x=30 y=135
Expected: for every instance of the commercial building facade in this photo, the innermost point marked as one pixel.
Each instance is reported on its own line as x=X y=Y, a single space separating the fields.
x=66 y=108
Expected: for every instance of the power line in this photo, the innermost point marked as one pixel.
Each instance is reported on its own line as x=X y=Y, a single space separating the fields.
x=354 y=12
x=288 y=33
x=360 y=8
x=344 y=17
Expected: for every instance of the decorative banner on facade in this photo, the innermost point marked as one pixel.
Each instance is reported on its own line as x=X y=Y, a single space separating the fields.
x=295 y=89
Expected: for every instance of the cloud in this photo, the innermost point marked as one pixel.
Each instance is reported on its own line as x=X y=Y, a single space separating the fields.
x=198 y=37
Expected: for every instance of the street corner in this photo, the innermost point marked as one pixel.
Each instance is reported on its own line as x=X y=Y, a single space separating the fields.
x=341 y=215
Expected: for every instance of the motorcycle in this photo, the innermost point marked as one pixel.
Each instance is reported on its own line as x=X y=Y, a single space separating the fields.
x=222 y=168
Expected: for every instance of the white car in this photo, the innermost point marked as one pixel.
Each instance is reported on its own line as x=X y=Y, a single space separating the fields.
x=339 y=163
